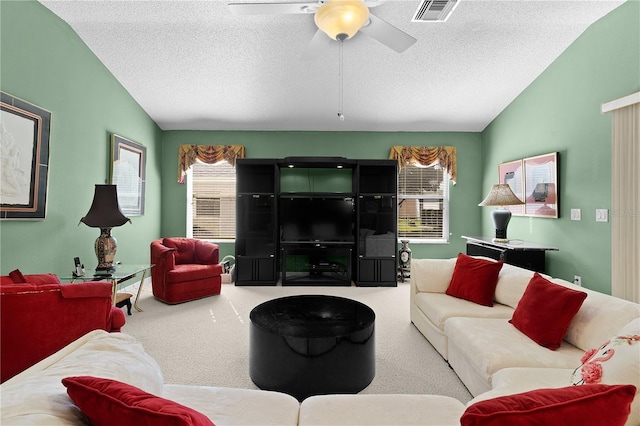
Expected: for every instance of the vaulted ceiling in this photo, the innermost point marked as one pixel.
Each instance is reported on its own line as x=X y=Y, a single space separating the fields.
x=195 y=65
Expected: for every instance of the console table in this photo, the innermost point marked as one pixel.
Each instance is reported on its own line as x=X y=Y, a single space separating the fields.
x=515 y=252
x=122 y=273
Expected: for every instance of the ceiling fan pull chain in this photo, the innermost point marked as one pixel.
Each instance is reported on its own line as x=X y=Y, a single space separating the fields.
x=340 y=83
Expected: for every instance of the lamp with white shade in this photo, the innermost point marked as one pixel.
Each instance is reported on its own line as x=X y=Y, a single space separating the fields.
x=501 y=195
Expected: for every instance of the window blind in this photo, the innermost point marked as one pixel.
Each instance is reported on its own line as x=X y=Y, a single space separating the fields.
x=423 y=203
x=213 y=201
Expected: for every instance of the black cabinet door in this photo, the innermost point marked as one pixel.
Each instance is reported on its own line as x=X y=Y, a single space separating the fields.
x=375 y=272
x=255 y=270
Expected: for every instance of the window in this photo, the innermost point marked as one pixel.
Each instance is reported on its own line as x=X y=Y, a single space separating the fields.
x=211 y=201
x=423 y=204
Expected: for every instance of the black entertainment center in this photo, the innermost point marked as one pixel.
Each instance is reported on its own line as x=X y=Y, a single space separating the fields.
x=316 y=220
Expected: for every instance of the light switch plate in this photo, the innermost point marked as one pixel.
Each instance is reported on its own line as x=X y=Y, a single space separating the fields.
x=602 y=215
x=575 y=214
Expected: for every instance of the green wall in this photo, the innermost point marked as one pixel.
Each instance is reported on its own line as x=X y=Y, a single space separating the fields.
x=560 y=111
x=464 y=196
x=44 y=62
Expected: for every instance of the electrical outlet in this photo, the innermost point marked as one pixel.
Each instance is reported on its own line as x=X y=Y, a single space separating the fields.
x=602 y=215
x=577 y=280
x=575 y=214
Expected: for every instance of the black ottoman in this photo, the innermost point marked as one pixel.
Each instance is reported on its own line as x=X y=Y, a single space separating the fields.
x=312 y=345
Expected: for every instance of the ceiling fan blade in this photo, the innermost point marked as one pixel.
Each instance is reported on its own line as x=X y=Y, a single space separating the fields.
x=273 y=8
x=388 y=34
x=319 y=43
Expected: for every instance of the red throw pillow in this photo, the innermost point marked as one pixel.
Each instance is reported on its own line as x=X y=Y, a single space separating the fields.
x=474 y=279
x=185 y=249
x=109 y=402
x=545 y=311
x=17 y=277
x=590 y=405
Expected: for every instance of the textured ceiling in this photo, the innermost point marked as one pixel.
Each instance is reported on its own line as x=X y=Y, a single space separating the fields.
x=195 y=65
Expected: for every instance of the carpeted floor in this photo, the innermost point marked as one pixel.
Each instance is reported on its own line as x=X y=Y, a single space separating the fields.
x=206 y=342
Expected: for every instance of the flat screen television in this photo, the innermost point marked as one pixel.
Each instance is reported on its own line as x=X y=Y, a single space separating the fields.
x=327 y=219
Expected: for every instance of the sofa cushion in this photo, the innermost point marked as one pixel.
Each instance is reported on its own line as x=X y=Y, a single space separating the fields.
x=616 y=361
x=231 y=406
x=109 y=402
x=600 y=317
x=440 y=307
x=432 y=275
x=40 y=279
x=474 y=279
x=37 y=396
x=512 y=282
x=193 y=272
x=546 y=310
x=581 y=405
x=368 y=410
x=17 y=277
x=479 y=347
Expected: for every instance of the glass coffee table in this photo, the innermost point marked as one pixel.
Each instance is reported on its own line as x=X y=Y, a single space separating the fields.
x=117 y=277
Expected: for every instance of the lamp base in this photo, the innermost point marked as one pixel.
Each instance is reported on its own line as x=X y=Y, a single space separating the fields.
x=501 y=218
x=500 y=240
x=105 y=247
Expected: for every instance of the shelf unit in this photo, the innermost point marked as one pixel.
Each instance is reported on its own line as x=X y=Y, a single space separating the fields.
x=376 y=224
x=257 y=186
x=264 y=246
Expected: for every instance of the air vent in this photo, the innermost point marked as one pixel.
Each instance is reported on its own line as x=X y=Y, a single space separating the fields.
x=434 y=10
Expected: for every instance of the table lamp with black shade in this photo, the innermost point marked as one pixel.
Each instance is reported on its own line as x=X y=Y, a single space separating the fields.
x=105 y=214
x=501 y=195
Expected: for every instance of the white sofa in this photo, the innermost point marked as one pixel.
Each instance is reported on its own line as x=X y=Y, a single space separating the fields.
x=37 y=396
x=491 y=356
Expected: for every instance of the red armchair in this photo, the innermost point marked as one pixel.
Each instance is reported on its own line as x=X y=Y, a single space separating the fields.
x=41 y=316
x=185 y=269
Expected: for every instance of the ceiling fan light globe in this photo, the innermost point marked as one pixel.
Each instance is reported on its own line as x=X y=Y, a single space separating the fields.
x=338 y=17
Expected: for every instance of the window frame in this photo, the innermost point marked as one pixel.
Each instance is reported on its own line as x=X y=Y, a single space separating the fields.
x=445 y=197
x=190 y=205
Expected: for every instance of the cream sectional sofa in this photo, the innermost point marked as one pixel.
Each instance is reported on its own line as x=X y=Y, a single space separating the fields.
x=491 y=356
x=37 y=396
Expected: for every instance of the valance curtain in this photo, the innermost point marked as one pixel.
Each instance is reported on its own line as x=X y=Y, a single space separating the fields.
x=625 y=209
x=209 y=154
x=444 y=156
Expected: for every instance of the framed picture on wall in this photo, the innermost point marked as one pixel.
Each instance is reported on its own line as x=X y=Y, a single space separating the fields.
x=511 y=173
x=24 y=156
x=541 y=185
x=128 y=173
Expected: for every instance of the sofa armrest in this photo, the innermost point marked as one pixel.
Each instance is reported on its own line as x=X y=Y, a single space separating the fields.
x=162 y=256
x=38 y=320
x=117 y=320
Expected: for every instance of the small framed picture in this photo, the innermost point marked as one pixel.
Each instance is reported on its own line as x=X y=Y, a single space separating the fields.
x=541 y=185
x=128 y=173
x=512 y=174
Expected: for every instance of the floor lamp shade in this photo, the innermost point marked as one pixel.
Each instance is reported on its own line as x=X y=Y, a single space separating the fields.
x=105 y=214
x=501 y=195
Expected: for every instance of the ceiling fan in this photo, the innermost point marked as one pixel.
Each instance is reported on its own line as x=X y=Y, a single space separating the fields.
x=336 y=20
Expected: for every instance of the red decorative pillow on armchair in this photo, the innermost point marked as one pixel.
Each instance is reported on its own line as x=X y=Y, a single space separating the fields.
x=185 y=249
x=17 y=277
